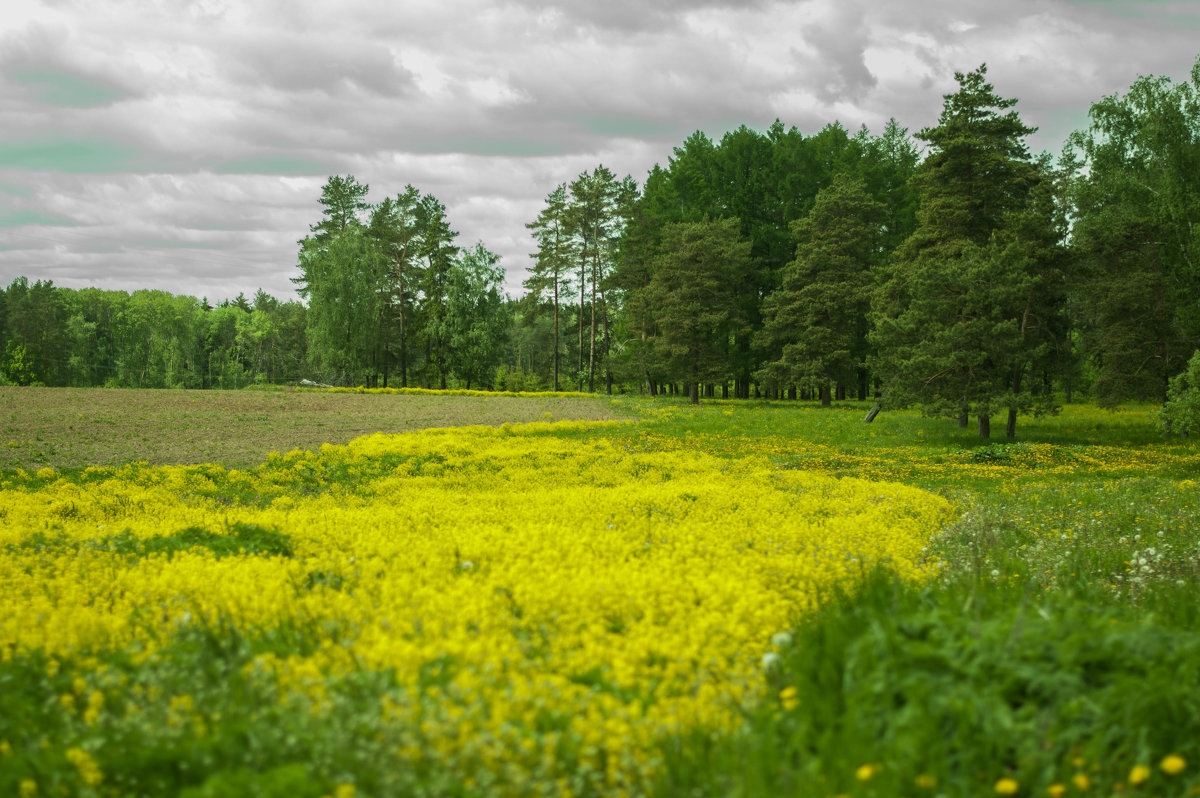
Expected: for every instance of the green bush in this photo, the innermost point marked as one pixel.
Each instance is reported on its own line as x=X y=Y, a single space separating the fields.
x=900 y=689
x=1181 y=412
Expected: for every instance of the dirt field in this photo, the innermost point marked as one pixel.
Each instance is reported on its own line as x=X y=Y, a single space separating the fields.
x=78 y=427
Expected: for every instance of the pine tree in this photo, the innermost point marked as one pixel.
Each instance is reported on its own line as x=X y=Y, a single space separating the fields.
x=696 y=273
x=953 y=320
x=816 y=320
x=549 y=276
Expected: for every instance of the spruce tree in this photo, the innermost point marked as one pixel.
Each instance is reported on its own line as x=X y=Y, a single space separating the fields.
x=816 y=320
x=971 y=297
x=696 y=273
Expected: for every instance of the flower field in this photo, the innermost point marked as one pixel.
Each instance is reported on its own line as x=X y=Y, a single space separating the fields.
x=732 y=599
x=520 y=609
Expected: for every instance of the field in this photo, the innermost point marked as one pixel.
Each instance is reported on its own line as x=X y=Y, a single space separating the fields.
x=80 y=427
x=212 y=597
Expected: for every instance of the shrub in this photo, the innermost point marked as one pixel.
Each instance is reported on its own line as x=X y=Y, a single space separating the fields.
x=1180 y=414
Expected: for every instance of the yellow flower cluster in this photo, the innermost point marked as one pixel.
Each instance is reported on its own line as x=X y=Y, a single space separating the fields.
x=531 y=590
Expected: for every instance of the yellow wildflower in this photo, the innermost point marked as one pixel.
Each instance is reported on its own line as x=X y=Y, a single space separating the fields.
x=89 y=771
x=27 y=788
x=1007 y=786
x=1056 y=790
x=1081 y=781
x=344 y=791
x=1139 y=774
x=925 y=781
x=865 y=772
x=94 y=708
x=1173 y=764
x=788 y=698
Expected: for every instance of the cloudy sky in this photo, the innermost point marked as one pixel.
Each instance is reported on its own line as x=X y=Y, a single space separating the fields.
x=182 y=144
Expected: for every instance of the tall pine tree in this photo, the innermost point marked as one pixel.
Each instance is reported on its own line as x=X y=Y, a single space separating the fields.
x=953 y=320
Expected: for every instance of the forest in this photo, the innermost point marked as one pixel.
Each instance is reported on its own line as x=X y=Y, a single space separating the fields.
x=950 y=269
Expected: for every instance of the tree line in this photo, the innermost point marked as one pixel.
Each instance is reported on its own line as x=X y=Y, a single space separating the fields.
x=950 y=269
x=953 y=270
x=146 y=339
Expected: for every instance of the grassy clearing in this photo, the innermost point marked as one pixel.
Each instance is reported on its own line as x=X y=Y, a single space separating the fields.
x=79 y=427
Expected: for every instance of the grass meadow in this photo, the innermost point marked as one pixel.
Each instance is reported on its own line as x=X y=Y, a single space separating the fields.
x=270 y=593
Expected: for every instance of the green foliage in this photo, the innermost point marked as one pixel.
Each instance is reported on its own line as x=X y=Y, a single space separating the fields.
x=973 y=300
x=343 y=282
x=147 y=339
x=1135 y=196
x=816 y=321
x=382 y=291
x=549 y=277
x=694 y=289
x=16 y=368
x=240 y=539
x=476 y=322
x=964 y=683
x=1180 y=414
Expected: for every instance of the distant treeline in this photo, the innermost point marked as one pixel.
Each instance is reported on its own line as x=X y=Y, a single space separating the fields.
x=148 y=339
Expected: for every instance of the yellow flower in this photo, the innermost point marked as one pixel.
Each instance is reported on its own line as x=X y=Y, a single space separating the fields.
x=1139 y=774
x=94 y=708
x=27 y=788
x=788 y=697
x=1172 y=764
x=1081 y=781
x=344 y=791
x=1007 y=786
x=864 y=772
x=925 y=781
x=89 y=771
x=1056 y=790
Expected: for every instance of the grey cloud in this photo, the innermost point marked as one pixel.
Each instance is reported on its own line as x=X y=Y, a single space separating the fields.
x=840 y=43
x=39 y=67
x=316 y=62
x=631 y=15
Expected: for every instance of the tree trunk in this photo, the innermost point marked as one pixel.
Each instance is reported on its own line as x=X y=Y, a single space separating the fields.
x=582 y=288
x=985 y=426
x=1011 y=429
x=556 y=328
x=826 y=397
x=592 y=344
x=874 y=411
x=403 y=332
x=964 y=418
x=694 y=391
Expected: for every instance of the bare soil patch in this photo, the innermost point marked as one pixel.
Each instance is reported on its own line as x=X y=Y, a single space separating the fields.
x=78 y=427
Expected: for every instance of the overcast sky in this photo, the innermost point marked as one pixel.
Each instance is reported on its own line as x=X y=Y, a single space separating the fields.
x=182 y=145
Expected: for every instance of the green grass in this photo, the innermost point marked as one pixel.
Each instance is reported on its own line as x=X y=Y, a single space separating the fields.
x=1059 y=642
